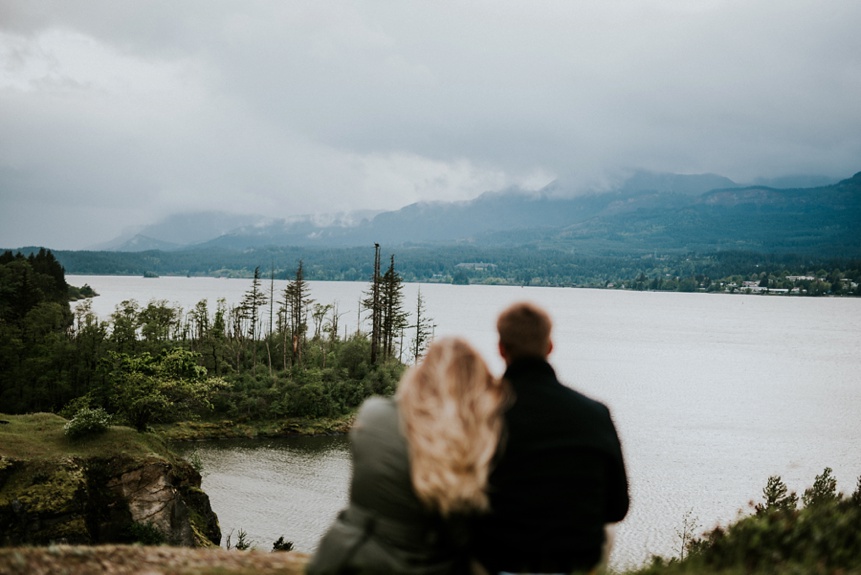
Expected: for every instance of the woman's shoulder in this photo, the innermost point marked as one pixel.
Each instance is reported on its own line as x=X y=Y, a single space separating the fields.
x=378 y=404
x=376 y=408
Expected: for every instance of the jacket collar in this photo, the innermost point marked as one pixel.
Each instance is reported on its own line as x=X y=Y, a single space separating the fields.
x=532 y=368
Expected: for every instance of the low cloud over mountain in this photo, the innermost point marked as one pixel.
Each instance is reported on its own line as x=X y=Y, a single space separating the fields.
x=646 y=212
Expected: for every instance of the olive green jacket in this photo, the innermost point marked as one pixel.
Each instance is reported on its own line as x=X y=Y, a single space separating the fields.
x=385 y=528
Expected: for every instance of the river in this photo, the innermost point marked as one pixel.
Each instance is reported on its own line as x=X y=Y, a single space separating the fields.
x=711 y=394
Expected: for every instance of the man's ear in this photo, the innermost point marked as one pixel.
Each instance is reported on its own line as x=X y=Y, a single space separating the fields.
x=502 y=352
x=549 y=347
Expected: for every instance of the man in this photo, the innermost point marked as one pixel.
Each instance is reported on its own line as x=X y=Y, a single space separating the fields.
x=559 y=476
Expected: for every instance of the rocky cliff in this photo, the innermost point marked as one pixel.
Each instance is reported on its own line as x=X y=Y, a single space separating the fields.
x=118 y=490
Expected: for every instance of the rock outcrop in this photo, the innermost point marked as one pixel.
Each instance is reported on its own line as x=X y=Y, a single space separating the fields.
x=97 y=500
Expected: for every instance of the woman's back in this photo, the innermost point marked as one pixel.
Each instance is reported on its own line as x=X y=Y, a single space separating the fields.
x=385 y=528
x=381 y=466
x=420 y=467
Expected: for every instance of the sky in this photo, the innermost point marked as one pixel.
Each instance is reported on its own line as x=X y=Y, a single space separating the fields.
x=118 y=113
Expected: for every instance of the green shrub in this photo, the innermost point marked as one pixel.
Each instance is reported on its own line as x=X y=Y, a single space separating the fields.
x=824 y=534
x=822 y=537
x=776 y=496
x=282 y=545
x=824 y=490
x=353 y=357
x=383 y=378
x=146 y=534
x=87 y=422
x=311 y=400
x=243 y=543
x=856 y=495
x=73 y=407
x=195 y=461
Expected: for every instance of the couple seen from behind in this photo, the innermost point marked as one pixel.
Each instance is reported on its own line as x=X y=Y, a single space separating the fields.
x=462 y=472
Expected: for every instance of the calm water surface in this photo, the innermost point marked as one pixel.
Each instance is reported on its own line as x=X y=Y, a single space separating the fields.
x=711 y=394
x=290 y=487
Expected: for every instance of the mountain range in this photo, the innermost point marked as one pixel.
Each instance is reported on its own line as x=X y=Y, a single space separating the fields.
x=648 y=212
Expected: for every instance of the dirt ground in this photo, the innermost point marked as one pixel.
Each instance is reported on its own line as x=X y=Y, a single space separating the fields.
x=139 y=560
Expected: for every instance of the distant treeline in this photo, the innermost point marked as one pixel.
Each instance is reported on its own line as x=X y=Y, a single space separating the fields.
x=464 y=264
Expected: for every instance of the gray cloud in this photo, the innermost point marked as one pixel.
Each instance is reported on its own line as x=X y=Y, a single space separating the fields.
x=116 y=113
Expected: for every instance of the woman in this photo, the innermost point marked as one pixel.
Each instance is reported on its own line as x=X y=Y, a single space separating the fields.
x=420 y=468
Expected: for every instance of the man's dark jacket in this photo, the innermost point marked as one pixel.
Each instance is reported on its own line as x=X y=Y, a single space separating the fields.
x=559 y=478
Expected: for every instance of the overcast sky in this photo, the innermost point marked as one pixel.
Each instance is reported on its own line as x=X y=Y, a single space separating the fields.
x=116 y=113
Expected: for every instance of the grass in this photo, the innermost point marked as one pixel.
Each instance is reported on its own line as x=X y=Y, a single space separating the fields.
x=41 y=436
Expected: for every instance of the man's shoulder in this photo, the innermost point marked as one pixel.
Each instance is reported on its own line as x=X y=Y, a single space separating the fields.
x=566 y=403
x=582 y=400
x=538 y=382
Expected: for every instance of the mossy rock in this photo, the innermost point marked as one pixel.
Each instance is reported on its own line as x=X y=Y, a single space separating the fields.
x=96 y=490
x=43 y=502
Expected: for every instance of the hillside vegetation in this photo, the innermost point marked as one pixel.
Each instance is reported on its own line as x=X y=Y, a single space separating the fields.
x=822 y=535
x=105 y=484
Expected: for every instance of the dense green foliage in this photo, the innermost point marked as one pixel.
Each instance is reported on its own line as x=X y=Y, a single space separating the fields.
x=823 y=536
x=156 y=363
x=34 y=319
x=143 y=388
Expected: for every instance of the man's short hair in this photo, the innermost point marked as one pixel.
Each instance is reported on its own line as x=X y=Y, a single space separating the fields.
x=524 y=331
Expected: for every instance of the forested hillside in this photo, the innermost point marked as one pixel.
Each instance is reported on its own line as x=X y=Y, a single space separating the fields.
x=665 y=213
x=655 y=231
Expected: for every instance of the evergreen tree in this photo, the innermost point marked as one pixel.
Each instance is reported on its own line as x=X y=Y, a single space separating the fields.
x=776 y=497
x=53 y=276
x=373 y=303
x=824 y=490
x=394 y=318
x=424 y=329
x=217 y=336
x=35 y=353
x=295 y=309
x=253 y=300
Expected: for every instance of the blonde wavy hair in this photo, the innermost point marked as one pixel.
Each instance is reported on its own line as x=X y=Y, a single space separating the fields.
x=451 y=413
